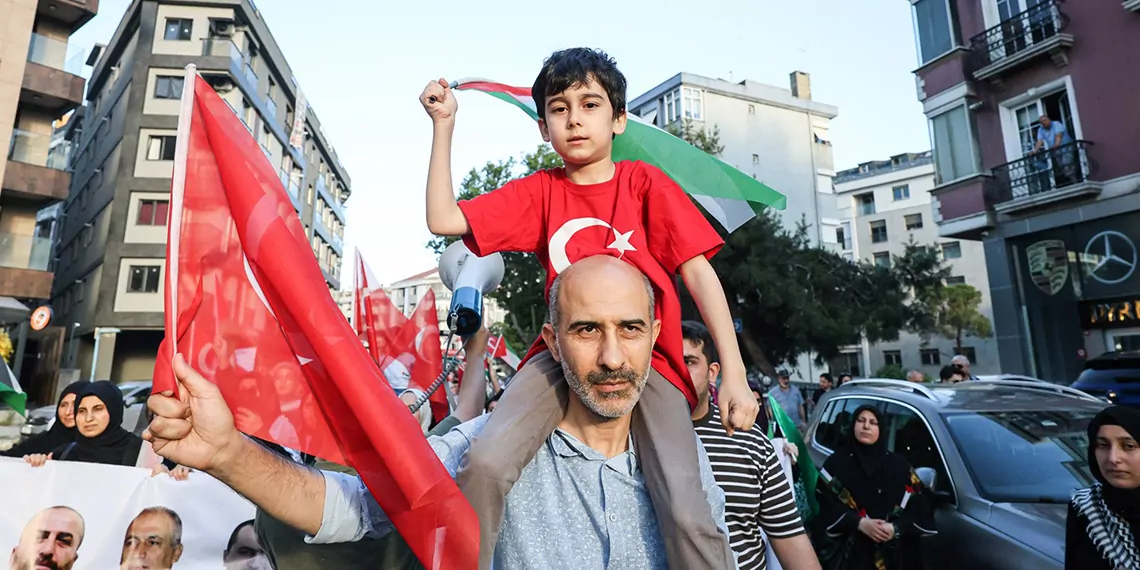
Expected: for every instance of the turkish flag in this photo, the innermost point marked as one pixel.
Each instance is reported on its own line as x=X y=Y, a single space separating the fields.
x=249 y=308
x=429 y=355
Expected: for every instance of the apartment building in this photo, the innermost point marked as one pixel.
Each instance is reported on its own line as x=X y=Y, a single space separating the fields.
x=40 y=87
x=1059 y=218
x=883 y=206
x=779 y=136
x=111 y=251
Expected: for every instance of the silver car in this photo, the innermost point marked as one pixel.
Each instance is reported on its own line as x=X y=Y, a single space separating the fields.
x=135 y=394
x=1002 y=458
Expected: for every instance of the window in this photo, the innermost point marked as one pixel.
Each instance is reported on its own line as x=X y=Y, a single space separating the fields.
x=866 y=203
x=930 y=357
x=178 y=29
x=841 y=238
x=1044 y=447
x=913 y=221
x=907 y=435
x=835 y=422
x=936 y=23
x=953 y=145
x=951 y=250
x=672 y=106
x=879 y=231
x=901 y=192
x=79 y=290
x=160 y=147
x=168 y=87
x=153 y=212
x=694 y=104
x=87 y=235
x=247 y=114
x=883 y=259
x=892 y=357
x=143 y=279
x=968 y=352
x=956 y=280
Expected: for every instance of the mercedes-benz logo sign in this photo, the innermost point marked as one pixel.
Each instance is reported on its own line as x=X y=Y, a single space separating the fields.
x=1112 y=257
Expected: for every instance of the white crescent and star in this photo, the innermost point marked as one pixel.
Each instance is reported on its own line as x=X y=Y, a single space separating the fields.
x=559 y=261
x=261 y=295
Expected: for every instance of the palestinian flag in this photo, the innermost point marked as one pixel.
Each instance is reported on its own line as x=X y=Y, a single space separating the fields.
x=10 y=391
x=729 y=195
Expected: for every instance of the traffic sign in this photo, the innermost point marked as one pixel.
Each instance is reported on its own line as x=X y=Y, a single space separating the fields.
x=41 y=318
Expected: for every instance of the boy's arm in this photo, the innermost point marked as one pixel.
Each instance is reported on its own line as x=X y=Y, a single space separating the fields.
x=704 y=285
x=444 y=218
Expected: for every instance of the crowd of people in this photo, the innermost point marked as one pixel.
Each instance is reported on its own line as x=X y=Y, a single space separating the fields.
x=609 y=447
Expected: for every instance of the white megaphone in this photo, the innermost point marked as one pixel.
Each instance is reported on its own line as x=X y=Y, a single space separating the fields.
x=469 y=277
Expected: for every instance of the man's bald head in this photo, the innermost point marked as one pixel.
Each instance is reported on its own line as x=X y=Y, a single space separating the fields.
x=50 y=540
x=598 y=271
x=602 y=331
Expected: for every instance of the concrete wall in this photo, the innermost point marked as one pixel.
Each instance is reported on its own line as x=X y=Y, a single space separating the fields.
x=16 y=18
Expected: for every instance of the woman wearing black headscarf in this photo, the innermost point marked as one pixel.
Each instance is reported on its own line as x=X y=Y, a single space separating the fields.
x=872 y=506
x=101 y=437
x=1103 y=519
x=62 y=432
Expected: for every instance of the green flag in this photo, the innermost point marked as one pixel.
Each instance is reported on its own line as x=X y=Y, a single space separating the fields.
x=727 y=194
x=809 y=475
x=10 y=391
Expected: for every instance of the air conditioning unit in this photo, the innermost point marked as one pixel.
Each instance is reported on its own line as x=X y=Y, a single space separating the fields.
x=220 y=83
x=222 y=28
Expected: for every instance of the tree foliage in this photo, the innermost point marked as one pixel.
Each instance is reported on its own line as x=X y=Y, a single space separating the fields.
x=958 y=314
x=521 y=292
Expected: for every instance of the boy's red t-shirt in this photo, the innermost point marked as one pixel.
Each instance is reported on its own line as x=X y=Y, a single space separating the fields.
x=640 y=216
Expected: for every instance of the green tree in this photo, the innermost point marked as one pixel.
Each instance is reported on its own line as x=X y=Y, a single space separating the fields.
x=794 y=298
x=958 y=314
x=524 y=280
x=891 y=371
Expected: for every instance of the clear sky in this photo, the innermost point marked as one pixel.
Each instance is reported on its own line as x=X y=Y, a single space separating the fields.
x=362 y=64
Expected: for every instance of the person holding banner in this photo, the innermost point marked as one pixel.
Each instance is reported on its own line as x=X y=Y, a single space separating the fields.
x=61 y=433
x=100 y=435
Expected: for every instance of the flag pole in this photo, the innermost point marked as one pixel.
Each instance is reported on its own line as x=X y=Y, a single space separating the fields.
x=177 y=191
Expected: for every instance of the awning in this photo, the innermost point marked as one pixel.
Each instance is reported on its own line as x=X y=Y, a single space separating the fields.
x=12 y=311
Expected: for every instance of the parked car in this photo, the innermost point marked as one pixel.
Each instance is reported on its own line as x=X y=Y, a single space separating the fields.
x=1018 y=377
x=135 y=394
x=1113 y=377
x=1001 y=458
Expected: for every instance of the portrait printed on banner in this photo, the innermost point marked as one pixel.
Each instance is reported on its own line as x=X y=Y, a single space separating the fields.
x=51 y=540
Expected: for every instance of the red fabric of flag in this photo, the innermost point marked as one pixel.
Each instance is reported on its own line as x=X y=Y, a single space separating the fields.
x=248 y=306
x=429 y=355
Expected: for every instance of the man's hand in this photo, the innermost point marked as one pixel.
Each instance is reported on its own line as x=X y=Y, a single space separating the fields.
x=738 y=406
x=196 y=429
x=439 y=101
x=476 y=345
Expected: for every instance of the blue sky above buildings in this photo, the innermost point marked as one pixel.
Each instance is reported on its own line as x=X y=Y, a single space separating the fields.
x=363 y=63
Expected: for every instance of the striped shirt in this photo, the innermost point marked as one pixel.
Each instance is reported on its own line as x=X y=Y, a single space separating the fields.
x=757 y=493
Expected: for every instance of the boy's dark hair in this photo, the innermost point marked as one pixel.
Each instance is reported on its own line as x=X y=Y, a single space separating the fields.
x=577 y=66
x=698 y=333
x=949 y=371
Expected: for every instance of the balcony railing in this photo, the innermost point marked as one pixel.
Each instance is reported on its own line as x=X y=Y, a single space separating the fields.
x=55 y=54
x=39 y=150
x=1018 y=34
x=24 y=252
x=1044 y=171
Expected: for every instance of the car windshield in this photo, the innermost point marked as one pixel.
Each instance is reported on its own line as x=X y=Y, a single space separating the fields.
x=1025 y=456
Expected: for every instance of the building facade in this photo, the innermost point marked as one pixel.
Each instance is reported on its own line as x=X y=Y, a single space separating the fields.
x=40 y=87
x=779 y=136
x=883 y=206
x=111 y=251
x=1059 y=225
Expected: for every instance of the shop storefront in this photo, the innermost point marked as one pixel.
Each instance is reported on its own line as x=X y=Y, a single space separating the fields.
x=1079 y=292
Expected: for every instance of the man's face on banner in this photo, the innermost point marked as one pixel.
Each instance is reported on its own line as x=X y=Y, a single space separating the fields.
x=246 y=553
x=152 y=542
x=50 y=541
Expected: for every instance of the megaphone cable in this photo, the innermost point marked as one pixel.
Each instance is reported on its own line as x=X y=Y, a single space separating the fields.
x=448 y=368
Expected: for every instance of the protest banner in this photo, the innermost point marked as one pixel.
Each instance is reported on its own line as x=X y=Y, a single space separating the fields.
x=84 y=516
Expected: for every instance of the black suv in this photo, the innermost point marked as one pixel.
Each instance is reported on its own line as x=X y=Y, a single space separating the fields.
x=1002 y=458
x=1113 y=377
